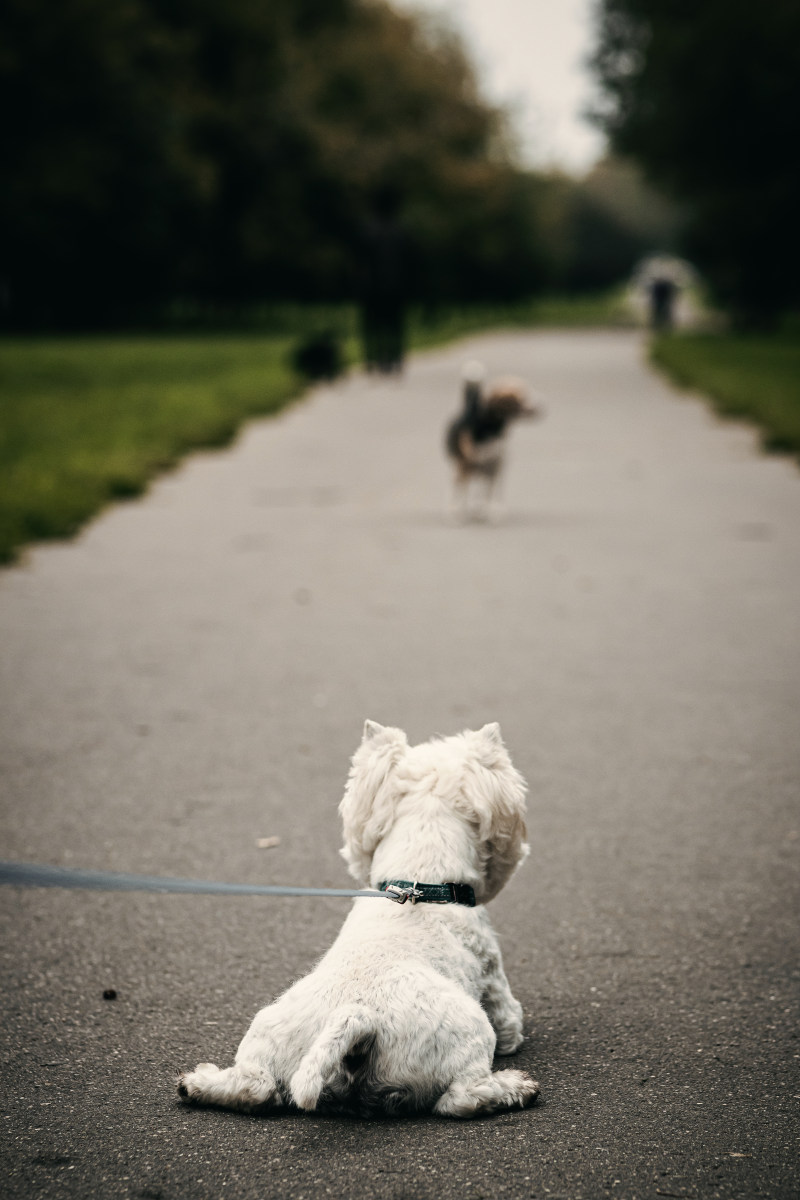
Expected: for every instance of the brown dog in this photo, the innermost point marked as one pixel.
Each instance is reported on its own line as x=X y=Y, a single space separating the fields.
x=476 y=438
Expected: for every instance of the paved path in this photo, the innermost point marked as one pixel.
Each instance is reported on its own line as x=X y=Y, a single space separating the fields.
x=192 y=674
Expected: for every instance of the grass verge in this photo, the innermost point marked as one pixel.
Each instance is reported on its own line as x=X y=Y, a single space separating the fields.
x=747 y=376
x=603 y=309
x=90 y=420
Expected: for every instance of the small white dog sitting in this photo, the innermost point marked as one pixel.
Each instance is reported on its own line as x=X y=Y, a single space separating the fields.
x=406 y=1009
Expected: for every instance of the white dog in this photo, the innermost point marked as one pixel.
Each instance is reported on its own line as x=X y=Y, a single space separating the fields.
x=406 y=1009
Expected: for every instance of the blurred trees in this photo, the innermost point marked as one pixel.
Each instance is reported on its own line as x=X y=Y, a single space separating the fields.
x=598 y=228
x=156 y=149
x=706 y=95
x=209 y=155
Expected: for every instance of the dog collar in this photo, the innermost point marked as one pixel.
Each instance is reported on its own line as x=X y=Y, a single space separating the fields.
x=401 y=890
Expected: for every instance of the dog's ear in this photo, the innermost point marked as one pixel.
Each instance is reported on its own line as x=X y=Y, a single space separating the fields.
x=498 y=803
x=372 y=730
x=368 y=806
x=491 y=734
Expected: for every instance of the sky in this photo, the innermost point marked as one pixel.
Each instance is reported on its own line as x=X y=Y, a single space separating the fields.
x=530 y=55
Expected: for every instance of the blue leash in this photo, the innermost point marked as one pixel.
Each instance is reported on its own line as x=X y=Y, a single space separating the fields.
x=35 y=875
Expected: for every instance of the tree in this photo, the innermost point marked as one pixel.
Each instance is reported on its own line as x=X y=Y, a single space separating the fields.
x=598 y=228
x=225 y=152
x=706 y=95
x=94 y=175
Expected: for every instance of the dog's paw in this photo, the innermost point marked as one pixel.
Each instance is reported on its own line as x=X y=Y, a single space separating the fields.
x=509 y=1041
x=234 y=1087
x=487 y=1094
x=520 y=1085
x=306 y=1087
x=193 y=1085
x=188 y=1083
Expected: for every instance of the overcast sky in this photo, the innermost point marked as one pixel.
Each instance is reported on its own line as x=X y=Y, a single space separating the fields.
x=532 y=54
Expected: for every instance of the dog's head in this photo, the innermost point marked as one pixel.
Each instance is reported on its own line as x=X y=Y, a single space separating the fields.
x=453 y=808
x=508 y=398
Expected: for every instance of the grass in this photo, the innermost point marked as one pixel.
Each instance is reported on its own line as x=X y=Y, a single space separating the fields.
x=747 y=376
x=603 y=309
x=88 y=420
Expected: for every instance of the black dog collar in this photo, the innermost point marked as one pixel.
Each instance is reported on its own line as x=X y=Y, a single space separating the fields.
x=401 y=890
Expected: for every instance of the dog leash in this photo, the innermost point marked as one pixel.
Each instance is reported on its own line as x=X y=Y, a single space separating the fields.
x=38 y=875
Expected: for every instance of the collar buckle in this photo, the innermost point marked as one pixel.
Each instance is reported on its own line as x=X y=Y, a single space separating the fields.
x=401 y=894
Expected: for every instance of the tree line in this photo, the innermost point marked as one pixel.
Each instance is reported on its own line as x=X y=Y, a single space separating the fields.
x=222 y=154
x=706 y=95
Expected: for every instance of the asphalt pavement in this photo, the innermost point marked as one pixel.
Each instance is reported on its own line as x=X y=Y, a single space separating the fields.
x=192 y=674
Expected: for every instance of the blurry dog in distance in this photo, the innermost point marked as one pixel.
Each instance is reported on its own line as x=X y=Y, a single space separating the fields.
x=407 y=1009
x=318 y=356
x=476 y=438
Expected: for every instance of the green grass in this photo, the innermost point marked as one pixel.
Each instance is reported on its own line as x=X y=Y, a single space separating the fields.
x=87 y=420
x=604 y=309
x=752 y=377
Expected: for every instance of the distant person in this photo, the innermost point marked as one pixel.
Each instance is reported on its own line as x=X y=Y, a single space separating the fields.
x=384 y=271
x=663 y=293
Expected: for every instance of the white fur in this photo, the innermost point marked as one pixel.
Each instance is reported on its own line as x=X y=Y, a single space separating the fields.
x=407 y=1008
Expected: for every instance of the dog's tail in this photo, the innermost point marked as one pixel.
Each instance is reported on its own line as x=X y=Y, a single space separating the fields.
x=335 y=1056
